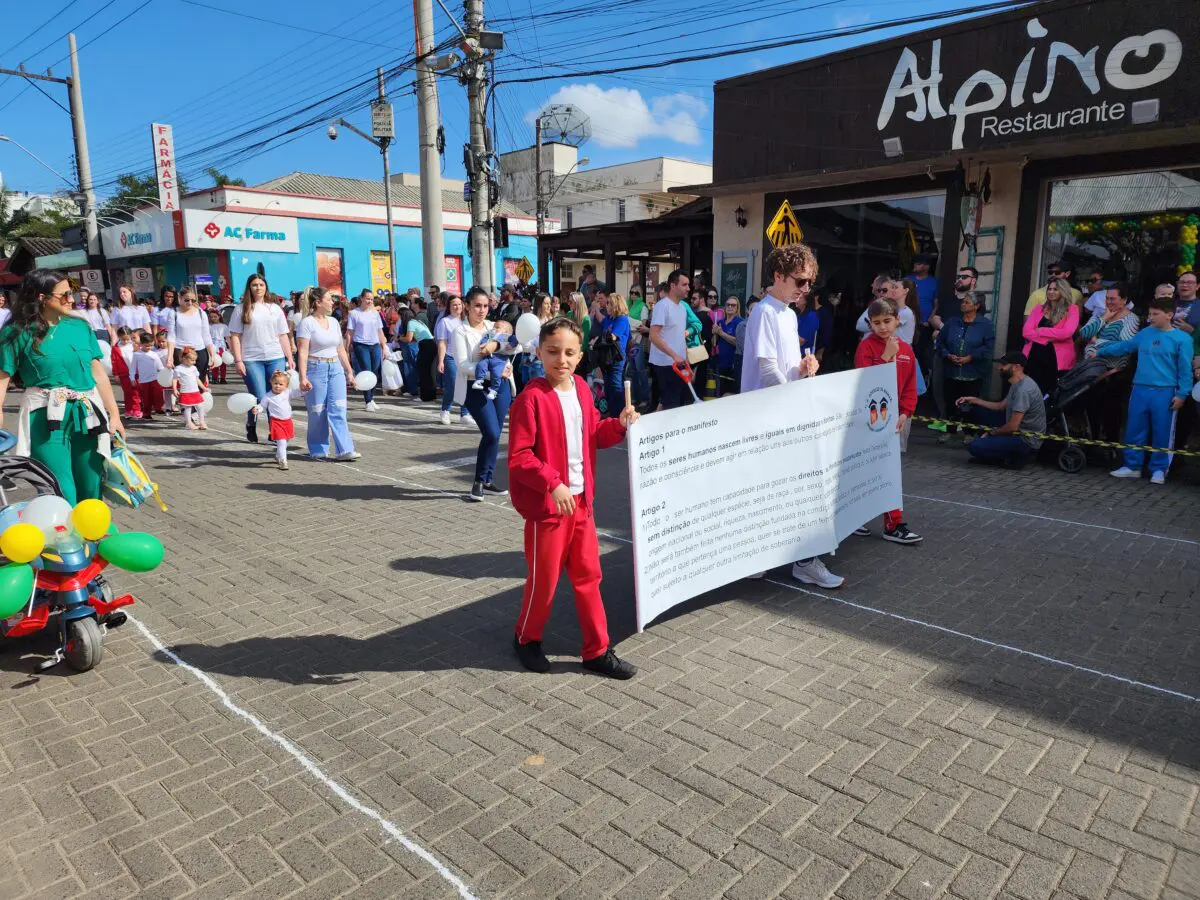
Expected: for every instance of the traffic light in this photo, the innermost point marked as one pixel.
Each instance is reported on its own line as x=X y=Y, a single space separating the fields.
x=500 y=232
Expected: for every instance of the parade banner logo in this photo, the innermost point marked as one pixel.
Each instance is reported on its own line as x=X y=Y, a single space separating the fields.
x=729 y=488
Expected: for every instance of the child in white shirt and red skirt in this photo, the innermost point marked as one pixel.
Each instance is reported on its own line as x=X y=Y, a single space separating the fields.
x=189 y=391
x=278 y=407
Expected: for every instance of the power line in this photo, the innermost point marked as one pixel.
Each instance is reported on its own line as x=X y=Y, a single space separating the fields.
x=54 y=16
x=240 y=14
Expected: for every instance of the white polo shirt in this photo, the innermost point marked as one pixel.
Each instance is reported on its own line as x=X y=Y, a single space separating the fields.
x=673 y=319
x=771 y=333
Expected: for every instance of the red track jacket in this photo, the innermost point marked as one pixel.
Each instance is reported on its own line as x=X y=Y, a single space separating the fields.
x=537 y=447
x=870 y=353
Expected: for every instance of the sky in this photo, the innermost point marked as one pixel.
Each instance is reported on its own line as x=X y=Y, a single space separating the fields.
x=227 y=82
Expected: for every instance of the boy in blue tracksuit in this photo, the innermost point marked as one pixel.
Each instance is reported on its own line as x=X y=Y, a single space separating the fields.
x=1161 y=383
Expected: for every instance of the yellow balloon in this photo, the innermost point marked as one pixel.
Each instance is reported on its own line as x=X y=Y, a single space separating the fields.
x=91 y=519
x=22 y=543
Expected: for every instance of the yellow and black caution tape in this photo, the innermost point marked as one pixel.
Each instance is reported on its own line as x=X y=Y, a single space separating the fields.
x=1083 y=442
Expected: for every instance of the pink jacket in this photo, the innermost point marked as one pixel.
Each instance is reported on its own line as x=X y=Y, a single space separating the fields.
x=1062 y=335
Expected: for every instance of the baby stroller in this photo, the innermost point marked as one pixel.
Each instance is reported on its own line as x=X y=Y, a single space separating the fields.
x=69 y=583
x=1068 y=402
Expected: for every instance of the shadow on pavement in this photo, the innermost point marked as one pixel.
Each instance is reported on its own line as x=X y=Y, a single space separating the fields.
x=378 y=491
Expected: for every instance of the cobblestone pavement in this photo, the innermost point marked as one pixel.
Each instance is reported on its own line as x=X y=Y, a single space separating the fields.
x=1007 y=710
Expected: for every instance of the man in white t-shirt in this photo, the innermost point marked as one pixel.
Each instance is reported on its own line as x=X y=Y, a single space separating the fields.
x=772 y=356
x=668 y=344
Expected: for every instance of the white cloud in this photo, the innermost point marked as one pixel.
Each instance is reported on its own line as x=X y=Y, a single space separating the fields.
x=851 y=20
x=621 y=117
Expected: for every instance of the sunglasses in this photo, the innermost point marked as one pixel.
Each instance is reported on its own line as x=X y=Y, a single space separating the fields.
x=879 y=291
x=963 y=276
x=731 y=306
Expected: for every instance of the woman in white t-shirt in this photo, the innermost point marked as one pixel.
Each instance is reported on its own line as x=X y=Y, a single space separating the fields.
x=489 y=414
x=129 y=313
x=325 y=373
x=189 y=328
x=366 y=340
x=447 y=368
x=258 y=337
x=100 y=321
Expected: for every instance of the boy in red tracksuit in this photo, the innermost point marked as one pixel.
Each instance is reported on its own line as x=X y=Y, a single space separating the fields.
x=122 y=358
x=877 y=348
x=554 y=430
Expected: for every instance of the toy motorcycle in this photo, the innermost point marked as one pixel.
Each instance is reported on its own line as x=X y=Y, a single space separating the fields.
x=68 y=581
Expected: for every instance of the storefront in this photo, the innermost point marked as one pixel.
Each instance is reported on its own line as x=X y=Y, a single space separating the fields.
x=1068 y=130
x=223 y=236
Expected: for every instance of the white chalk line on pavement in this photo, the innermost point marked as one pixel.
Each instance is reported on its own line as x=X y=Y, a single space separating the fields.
x=390 y=828
x=1013 y=512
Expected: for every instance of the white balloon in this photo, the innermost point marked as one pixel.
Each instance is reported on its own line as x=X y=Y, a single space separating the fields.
x=293 y=380
x=365 y=381
x=240 y=404
x=528 y=328
x=49 y=513
x=106 y=349
x=226 y=358
x=165 y=377
x=206 y=403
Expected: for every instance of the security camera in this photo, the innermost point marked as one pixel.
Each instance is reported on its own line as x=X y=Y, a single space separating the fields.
x=332 y=132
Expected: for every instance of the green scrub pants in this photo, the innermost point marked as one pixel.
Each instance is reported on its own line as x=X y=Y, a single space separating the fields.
x=69 y=452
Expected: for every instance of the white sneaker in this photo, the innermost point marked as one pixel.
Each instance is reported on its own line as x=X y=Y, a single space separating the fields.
x=1125 y=472
x=282 y=463
x=816 y=573
x=757 y=576
x=467 y=420
x=444 y=418
x=372 y=406
x=348 y=457
x=1158 y=478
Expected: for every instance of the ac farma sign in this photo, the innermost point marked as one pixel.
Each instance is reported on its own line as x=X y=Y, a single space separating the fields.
x=206 y=229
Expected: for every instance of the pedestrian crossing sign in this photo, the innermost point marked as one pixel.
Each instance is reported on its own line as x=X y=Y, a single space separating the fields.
x=524 y=269
x=784 y=229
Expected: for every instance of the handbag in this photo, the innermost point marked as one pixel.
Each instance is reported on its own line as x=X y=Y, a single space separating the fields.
x=696 y=355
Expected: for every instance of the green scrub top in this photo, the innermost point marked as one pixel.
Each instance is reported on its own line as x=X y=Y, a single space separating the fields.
x=63 y=360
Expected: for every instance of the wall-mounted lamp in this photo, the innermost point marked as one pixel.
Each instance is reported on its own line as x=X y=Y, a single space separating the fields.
x=739 y=216
x=892 y=147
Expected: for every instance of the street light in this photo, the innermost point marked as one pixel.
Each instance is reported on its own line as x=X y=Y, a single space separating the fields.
x=382 y=143
x=585 y=161
x=5 y=138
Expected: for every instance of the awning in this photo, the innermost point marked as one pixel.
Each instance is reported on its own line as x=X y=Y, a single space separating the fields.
x=65 y=260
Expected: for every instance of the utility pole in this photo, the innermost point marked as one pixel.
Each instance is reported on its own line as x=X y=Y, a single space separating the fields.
x=433 y=253
x=537 y=176
x=483 y=260
x=82 y=159
x=384 y=136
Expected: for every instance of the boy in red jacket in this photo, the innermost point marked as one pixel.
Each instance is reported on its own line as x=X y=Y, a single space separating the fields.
x=554 y=430
x=879 y=347
x=122 y=357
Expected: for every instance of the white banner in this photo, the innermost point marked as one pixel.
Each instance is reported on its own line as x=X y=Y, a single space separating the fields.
x=216 y=230
x=163 y=139
x=725 y=489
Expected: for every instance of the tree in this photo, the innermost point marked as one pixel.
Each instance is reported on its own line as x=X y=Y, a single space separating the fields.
x=134 y=191
x=220 y=179
x=17 y=224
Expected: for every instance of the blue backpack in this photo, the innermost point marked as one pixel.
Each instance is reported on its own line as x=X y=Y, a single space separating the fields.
x=126 y=480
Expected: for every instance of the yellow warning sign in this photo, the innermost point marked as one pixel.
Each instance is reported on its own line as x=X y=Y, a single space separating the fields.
x=784 y=229
x=524 y=269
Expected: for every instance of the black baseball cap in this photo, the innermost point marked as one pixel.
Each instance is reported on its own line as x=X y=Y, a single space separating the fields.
x=1014 y=358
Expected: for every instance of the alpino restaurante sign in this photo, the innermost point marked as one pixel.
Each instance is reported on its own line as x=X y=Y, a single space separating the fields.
x=1128 y=64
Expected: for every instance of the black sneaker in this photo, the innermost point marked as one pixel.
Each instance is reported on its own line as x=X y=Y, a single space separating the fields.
x=491 y=488
x=901 y=535
x=252 y=434
x=610 y=665
x=531 y=655
x=864 y=531
x=476 y=494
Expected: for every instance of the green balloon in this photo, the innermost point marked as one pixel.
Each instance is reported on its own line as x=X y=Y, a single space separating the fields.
x=16 y=586
x=134 y=551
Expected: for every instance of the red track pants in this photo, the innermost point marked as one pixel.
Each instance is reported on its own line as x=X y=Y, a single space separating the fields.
x=151 y=398
x=133 y=400
x=570 y=542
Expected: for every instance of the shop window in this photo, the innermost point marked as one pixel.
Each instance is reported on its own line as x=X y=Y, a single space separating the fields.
x=1136 y=227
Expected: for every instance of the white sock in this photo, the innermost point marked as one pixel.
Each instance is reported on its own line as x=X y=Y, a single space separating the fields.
x=281 y=450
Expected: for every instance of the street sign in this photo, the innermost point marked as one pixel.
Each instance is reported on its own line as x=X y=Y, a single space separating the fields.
x=93 y=280
x=143 y=280
x=206 y=280
x=784 y=229
x=524 y=269
x=383 y=125
x=466 y=192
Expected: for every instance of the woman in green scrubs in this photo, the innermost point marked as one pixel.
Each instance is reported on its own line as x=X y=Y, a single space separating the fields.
x=68 y=398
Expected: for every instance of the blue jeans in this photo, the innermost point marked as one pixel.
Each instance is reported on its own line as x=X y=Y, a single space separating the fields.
x=326 y=404
x=258 y=381
x=449 y=376
x=639 y=376
x=489 y=416
x=1002 y=449
x=614 y=389
x=367 y=358
x=408 y=368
